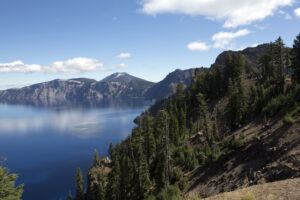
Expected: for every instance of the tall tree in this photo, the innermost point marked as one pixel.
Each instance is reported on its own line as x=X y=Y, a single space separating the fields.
x=113 y=189
x=296 y=59
x=279 y=56
x=149 y=141
x=96 y=158
x=79 y=185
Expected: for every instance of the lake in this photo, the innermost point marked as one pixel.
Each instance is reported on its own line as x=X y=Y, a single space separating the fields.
x=46 y=146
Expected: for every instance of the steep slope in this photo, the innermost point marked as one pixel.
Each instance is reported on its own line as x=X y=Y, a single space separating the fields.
x=227 y=130
x=273 y=154
x=167 y=86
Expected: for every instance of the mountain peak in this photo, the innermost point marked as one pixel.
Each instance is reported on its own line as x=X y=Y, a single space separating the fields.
x=121 y=77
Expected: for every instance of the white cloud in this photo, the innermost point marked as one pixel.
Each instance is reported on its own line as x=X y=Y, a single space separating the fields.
x=222 y=39
x=233 y=12
x=124 y=55
x=198 y=46
x=75 y=65
x=19 y=66
x=297 y=12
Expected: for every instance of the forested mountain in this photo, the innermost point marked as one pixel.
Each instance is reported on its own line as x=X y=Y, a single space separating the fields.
x=236 y=125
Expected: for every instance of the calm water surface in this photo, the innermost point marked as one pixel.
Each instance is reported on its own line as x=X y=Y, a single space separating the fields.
x=45 y=146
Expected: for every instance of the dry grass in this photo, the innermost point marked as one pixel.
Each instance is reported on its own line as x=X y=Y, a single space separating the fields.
x=281 y=190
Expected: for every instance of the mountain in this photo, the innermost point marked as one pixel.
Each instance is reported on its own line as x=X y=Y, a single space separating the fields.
x=227 y=130
x=167 y=86
x=77 y=91
x=250 y=54
x=118 y=86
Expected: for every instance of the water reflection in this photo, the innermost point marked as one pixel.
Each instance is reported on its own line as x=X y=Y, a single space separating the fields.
x=45 y=146
x=79 y=122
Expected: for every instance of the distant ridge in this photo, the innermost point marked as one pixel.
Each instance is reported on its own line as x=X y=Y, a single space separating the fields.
x=117 y=86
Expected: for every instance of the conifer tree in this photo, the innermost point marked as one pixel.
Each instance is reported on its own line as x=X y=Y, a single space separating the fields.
x=296 y=60
x=8 y=190
x=96 y=158
x=113 y=189
x=111 y=151
x=79 y=185
x=216 y=136
x=182 y=122
x=100 y=190
x=149 y=140
x=279 y=56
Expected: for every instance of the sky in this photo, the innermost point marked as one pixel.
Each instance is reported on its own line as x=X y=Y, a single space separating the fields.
x=42 y=40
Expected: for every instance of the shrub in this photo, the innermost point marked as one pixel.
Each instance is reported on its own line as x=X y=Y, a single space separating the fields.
x=288 y=119
x=190 y=160
x=169 y=193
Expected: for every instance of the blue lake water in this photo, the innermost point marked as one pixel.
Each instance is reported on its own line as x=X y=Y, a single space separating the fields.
x=45 y=146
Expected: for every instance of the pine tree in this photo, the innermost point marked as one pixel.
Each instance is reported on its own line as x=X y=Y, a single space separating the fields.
x=179 y=92
x=96 y=158
x=100 y=190
x=111 y=151
x=113 y=187
x=79 y=185
x=127 y=178
x=216 y=136
x=182 y=122
x=143 y=175
x=279 y=56
x=8 y=190
x=237 y=106
x=296 y=60
x=149 y=138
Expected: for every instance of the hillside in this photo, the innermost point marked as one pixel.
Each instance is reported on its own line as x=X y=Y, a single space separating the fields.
x=167 y=86
x=287 y=189
x=236 y=125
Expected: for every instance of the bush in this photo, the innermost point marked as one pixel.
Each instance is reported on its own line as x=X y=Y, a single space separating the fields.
x=233 y=143
x=178 y=179
x=169 y=193
x=288 y=119
x=190 y=160
x=182 y=183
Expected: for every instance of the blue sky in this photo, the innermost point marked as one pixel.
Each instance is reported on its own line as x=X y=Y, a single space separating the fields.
x=43 y=40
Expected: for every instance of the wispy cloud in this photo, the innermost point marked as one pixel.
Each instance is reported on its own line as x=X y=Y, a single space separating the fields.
x=234 y=12
x=124 y=55
x=222 y=39
x=74 y=65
